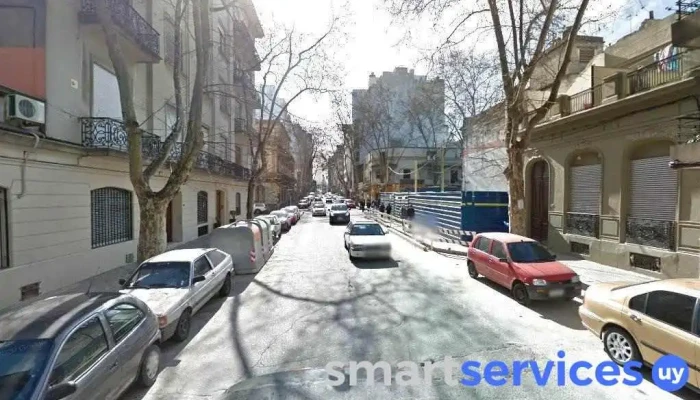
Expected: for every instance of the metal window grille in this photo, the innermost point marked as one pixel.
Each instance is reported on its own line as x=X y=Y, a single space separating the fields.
x=202 y=207
x=111 y=212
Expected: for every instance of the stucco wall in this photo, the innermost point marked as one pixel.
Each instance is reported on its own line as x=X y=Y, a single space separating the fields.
x=50 y=226
x=614 y=142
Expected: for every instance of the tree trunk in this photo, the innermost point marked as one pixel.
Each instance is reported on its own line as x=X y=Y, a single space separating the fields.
x=152 y=235
x=249 y=199
x=517 y=214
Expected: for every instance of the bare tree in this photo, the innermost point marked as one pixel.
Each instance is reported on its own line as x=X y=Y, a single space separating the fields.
x=523 y=30
x=153 y=203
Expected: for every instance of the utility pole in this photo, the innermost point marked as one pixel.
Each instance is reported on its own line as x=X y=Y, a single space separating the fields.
x=442 y=170
x=415 y=176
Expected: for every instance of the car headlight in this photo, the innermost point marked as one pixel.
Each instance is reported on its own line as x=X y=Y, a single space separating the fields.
x=539 y=282
x=575 y=279
x=347 y=213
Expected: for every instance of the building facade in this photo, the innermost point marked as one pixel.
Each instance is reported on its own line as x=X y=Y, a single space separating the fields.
x=599 y=174
x=68 y=208
x=278 y=174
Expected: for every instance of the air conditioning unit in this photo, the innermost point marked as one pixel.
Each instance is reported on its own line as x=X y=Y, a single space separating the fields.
x=18 y=107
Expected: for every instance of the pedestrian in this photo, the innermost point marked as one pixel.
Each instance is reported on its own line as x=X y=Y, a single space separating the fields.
x=381 y=208
x=388 y=209
x=410 y=212
x=403 y=212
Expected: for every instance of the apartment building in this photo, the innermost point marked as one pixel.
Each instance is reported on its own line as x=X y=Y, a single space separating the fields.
x=278 y=180
x=601 y=175
x=67 y=208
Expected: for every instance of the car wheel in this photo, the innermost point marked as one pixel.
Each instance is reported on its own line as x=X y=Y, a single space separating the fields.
x=471 y=268
x=226 y=287
x=620 y=346
x=519 y=293
x=182 y=331
x=150 y=366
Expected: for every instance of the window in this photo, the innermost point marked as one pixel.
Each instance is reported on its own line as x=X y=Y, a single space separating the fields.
x=406 y=174
x=223 y=44
x=216 y=257
x=484 y=244
x=123 y=319
x=4 y=230
x=238 y=204
x=201 y=266
x=672 y=308
x=237 y=154
x=224 y=97
x=638 y=303
x=586 y=54
x=111 y=215
x=170 y=119
x=202 y=207
x=80 y=352
x=18 y=27
x=105 y=94
x=454 y=176
x=498 y=250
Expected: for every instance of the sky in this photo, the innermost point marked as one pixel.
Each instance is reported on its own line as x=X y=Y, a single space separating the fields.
x=374 y=44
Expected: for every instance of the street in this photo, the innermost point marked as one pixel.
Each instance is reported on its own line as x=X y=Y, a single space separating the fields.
x=310 y=305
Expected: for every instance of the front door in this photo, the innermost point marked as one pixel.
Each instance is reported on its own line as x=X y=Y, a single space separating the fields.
x=539 y=201
x=219 y=207
x=169 y=222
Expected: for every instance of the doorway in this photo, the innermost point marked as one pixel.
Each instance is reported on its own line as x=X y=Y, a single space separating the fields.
x=539 y=201
x=220 y=208
x=169 y=222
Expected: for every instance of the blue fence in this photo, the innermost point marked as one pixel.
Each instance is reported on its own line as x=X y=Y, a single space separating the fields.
x=456 y=210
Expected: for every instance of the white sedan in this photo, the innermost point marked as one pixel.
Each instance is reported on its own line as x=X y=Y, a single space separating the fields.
x=367 y=239
x=275 y=223
x=177 y=283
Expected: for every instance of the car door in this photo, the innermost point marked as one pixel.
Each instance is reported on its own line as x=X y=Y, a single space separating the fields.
x=661 y=321
x=202 y=290
x=346 y=236
x=124 y=321
x=85 y=358
x=217 y=260
x=501 y=271
x=480 y=257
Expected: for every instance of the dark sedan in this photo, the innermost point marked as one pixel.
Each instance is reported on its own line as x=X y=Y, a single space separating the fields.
x=78 y=346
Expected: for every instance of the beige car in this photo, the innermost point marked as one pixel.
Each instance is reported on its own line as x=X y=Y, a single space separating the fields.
x=645 y=321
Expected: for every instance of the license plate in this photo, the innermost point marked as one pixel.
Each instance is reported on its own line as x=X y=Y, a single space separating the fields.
x=556 y=293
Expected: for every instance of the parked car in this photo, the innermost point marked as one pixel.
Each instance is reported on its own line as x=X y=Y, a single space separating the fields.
x=350 y=203
x=644 y=321
x=295 y=210
x=303 y=204
x=285 y=219
x=78 y=346
x=367 y=239
x=259 y=208
x=329 y=202
x=275 y=223
x=523 y=265
x=318 y=209
x=338 y=213
x=177 y=283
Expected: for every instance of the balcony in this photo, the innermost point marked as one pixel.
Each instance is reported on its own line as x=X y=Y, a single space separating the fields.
x=141 y=40
x=109 y=134
x=582 y=224
x=239 y=125
x=245 y=47
x=624 y=84
x=650 y=232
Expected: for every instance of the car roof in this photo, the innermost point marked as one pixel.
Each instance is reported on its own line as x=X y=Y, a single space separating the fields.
x=679 y=283
x=47 y=318
x=180 y=255
x=506 y=237
x=364 y=222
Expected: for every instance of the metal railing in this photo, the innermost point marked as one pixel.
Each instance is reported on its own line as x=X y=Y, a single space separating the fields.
x=110 y=134
x=582 y=224
x=582 y=101
x=651 y=232
x=127 y=18
x=656 y=74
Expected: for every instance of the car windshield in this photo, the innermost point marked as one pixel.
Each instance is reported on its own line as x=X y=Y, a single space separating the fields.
x=367 y=230
x=280 y=214
x=170 y=274
x=23 y=362
x=329 y=201
x=339 y=207
x=318 y=205
x=529 y=252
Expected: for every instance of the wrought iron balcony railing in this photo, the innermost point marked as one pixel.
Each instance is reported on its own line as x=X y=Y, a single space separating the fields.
x=582 y=224
x=109 y=134
x=651 y=232
x=129 y=20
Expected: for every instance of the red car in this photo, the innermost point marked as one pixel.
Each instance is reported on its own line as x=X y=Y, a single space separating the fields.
x=522 y=265
x=350 y=203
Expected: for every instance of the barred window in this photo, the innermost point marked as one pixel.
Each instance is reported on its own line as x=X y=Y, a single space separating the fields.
x=111 y=214
x=238 y=204
x=202 y=207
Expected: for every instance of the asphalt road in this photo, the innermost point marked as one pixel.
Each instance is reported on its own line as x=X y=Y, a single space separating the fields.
x=310 y=305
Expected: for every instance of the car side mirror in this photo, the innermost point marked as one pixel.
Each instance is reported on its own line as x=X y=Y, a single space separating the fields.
x=61 y=390
x=198 y=279
x=503 y=260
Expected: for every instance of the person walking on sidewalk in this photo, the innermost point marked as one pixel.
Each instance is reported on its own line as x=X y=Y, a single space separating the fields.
x=381 y=208
x=388 y=209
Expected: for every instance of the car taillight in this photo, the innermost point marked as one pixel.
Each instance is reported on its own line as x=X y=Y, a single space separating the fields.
x=162 y=321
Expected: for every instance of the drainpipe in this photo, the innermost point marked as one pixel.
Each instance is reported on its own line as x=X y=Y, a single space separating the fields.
x=23 y=168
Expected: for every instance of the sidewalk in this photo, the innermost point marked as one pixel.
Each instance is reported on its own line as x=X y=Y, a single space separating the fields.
x=590 y=272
